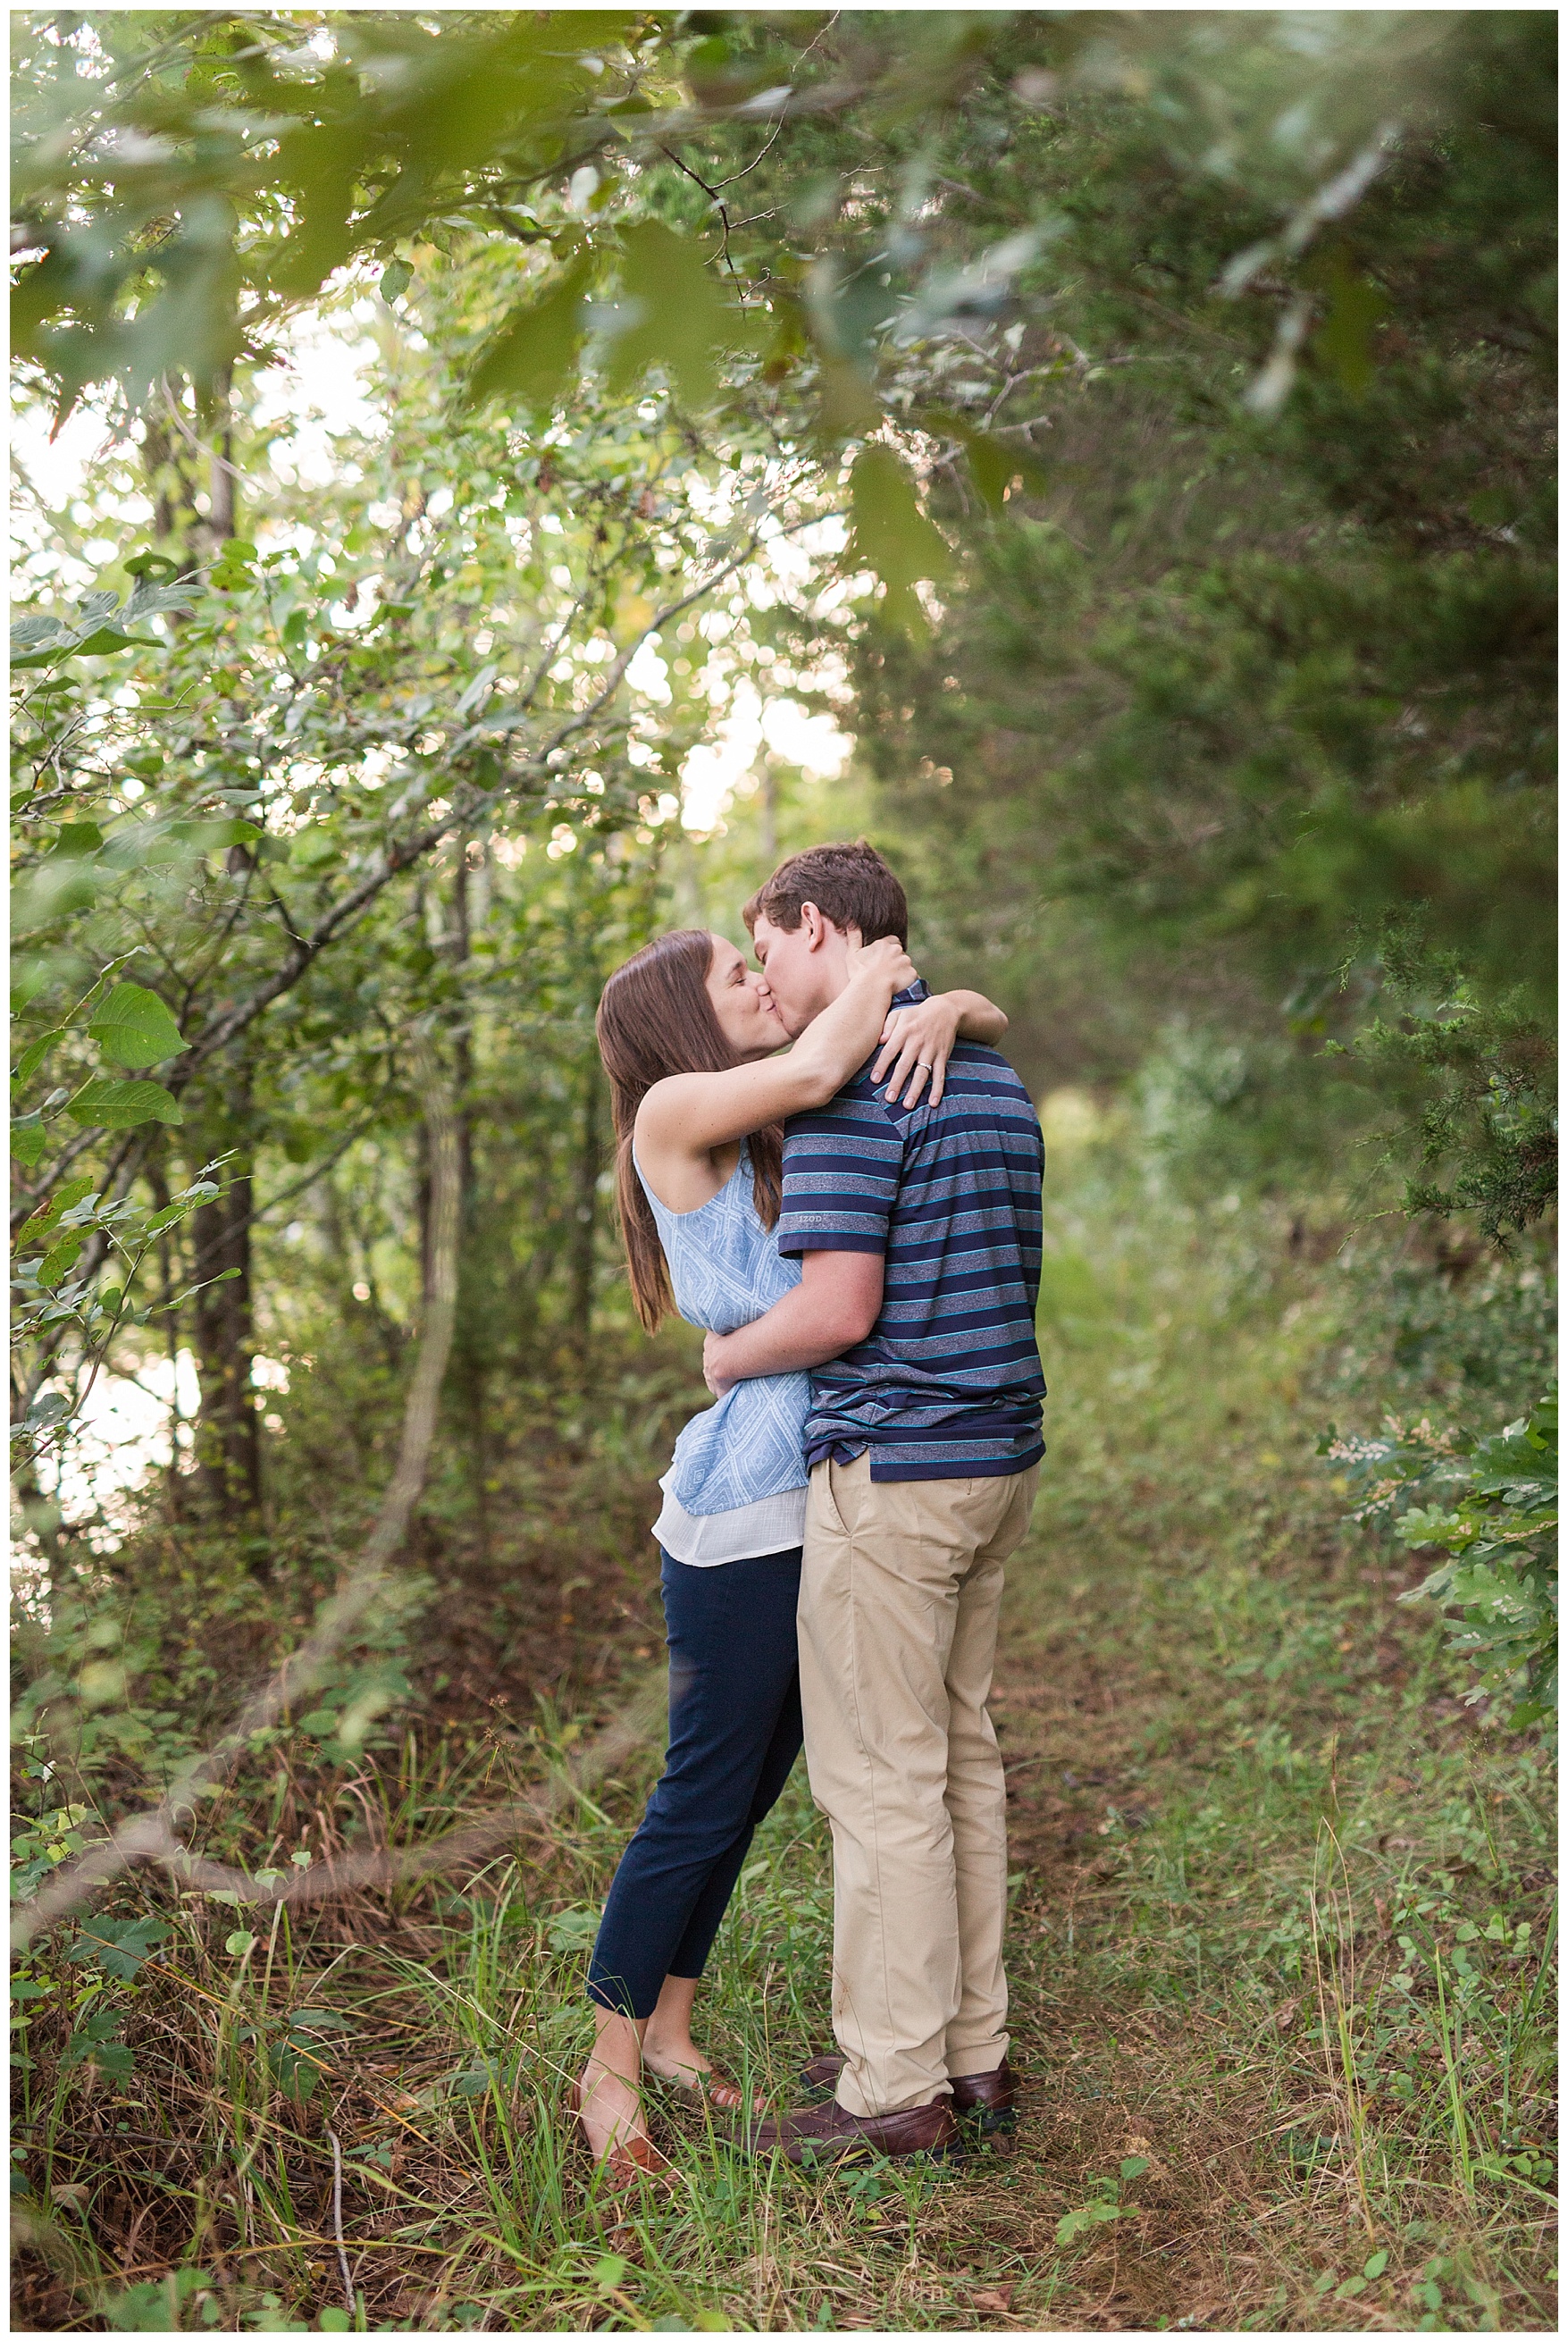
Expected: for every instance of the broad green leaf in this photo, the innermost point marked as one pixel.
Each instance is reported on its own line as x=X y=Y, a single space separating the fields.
x=51 y=890
x=78 y=839
x=536 y=351
x=993 y=464
x=1073 y=2224
x=892 y=534
x=676 y=313
x=395 y=280
x=206 y=836
x=152 y=566
x=32 y=1055
x=118 y=1947
x=103 y=640
x=103 y=1105
x=116 y=2060
x=1343 y=340
x=134 y=1027
x=63 y=1199
x=27 y=1143
x=59 y=1258
x=155 y=2308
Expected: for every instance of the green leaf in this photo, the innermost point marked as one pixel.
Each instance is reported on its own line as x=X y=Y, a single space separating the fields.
x=892 y=534
x=992 y=469
x=241 y=1942
x=78 y=839
x=155 y=2308
x=48 y=1408
x=118 y=1947
x=152 y=567
x=63 y=1199
x=102 y=1105
x=27 y=1141
x=395 y=280
x=1375 y=2267
x=573 y=1931
x=134 y=1027
x=1343 y=340
x=116 y=2060
x=205 y=836
x=1073 y=2224
x=535 y=350
x=33 y=1056
x=103 y=640
x=59 y=1258
x=992 y=464
x=676 y=314
x=1134 y=2166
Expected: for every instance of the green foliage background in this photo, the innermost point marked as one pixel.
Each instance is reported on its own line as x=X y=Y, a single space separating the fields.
x=1134 y=430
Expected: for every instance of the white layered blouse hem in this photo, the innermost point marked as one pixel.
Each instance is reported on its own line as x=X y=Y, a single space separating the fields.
x=703 y=1540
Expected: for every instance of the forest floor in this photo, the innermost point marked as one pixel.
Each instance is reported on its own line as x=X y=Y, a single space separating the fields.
x=1280 y=1949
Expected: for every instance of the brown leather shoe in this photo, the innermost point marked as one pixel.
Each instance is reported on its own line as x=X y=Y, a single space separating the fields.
x=988 y=2101
x=819 y=2075
x=828 y=2134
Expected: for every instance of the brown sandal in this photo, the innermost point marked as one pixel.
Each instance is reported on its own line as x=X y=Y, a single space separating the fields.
x=711 y=2088
x=627 y=2160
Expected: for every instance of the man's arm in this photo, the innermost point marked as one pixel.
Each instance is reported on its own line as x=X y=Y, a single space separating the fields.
x=835 y=1305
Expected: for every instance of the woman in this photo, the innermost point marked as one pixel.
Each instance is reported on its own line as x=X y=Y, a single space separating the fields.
x=690 y=1039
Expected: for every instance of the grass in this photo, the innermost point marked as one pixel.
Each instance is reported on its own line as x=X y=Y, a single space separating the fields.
x=1280 y=1945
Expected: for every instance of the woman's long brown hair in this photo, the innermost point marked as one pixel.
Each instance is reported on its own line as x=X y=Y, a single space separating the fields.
x=656 y=1020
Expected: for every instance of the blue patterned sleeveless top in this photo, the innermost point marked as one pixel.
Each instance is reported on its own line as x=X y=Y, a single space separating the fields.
x=725 y=1270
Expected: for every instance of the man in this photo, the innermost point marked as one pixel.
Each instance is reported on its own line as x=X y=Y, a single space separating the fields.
x=918 y=1233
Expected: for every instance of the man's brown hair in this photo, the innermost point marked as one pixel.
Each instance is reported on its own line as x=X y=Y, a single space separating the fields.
x=851 y=885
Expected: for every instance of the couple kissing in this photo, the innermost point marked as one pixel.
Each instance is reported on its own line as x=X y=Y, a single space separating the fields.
x=855 y=1220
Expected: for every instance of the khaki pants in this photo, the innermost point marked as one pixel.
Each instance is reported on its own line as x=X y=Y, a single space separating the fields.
x=899 y=1598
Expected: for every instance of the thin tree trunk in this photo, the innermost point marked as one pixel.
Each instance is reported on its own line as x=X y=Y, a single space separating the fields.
x=585 y=1229
x=227 y=1443
x=471 y=1341
x=175 y=1490
x=222 y=501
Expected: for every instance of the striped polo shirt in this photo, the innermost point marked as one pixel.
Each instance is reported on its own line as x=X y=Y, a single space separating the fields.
x=947 y=1384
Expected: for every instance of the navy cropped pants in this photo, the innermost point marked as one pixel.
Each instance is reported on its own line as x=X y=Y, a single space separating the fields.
x=734 y=1733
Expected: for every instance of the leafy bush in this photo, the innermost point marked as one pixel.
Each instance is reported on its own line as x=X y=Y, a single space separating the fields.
x=1479 y=1079
x=1490 y=1505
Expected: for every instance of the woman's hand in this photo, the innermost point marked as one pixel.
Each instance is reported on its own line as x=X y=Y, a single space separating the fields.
x=916 y=1043
x=884 y=962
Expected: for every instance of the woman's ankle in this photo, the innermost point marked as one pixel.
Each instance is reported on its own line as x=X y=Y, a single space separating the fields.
x=609 y=2106
x=672 y=2049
